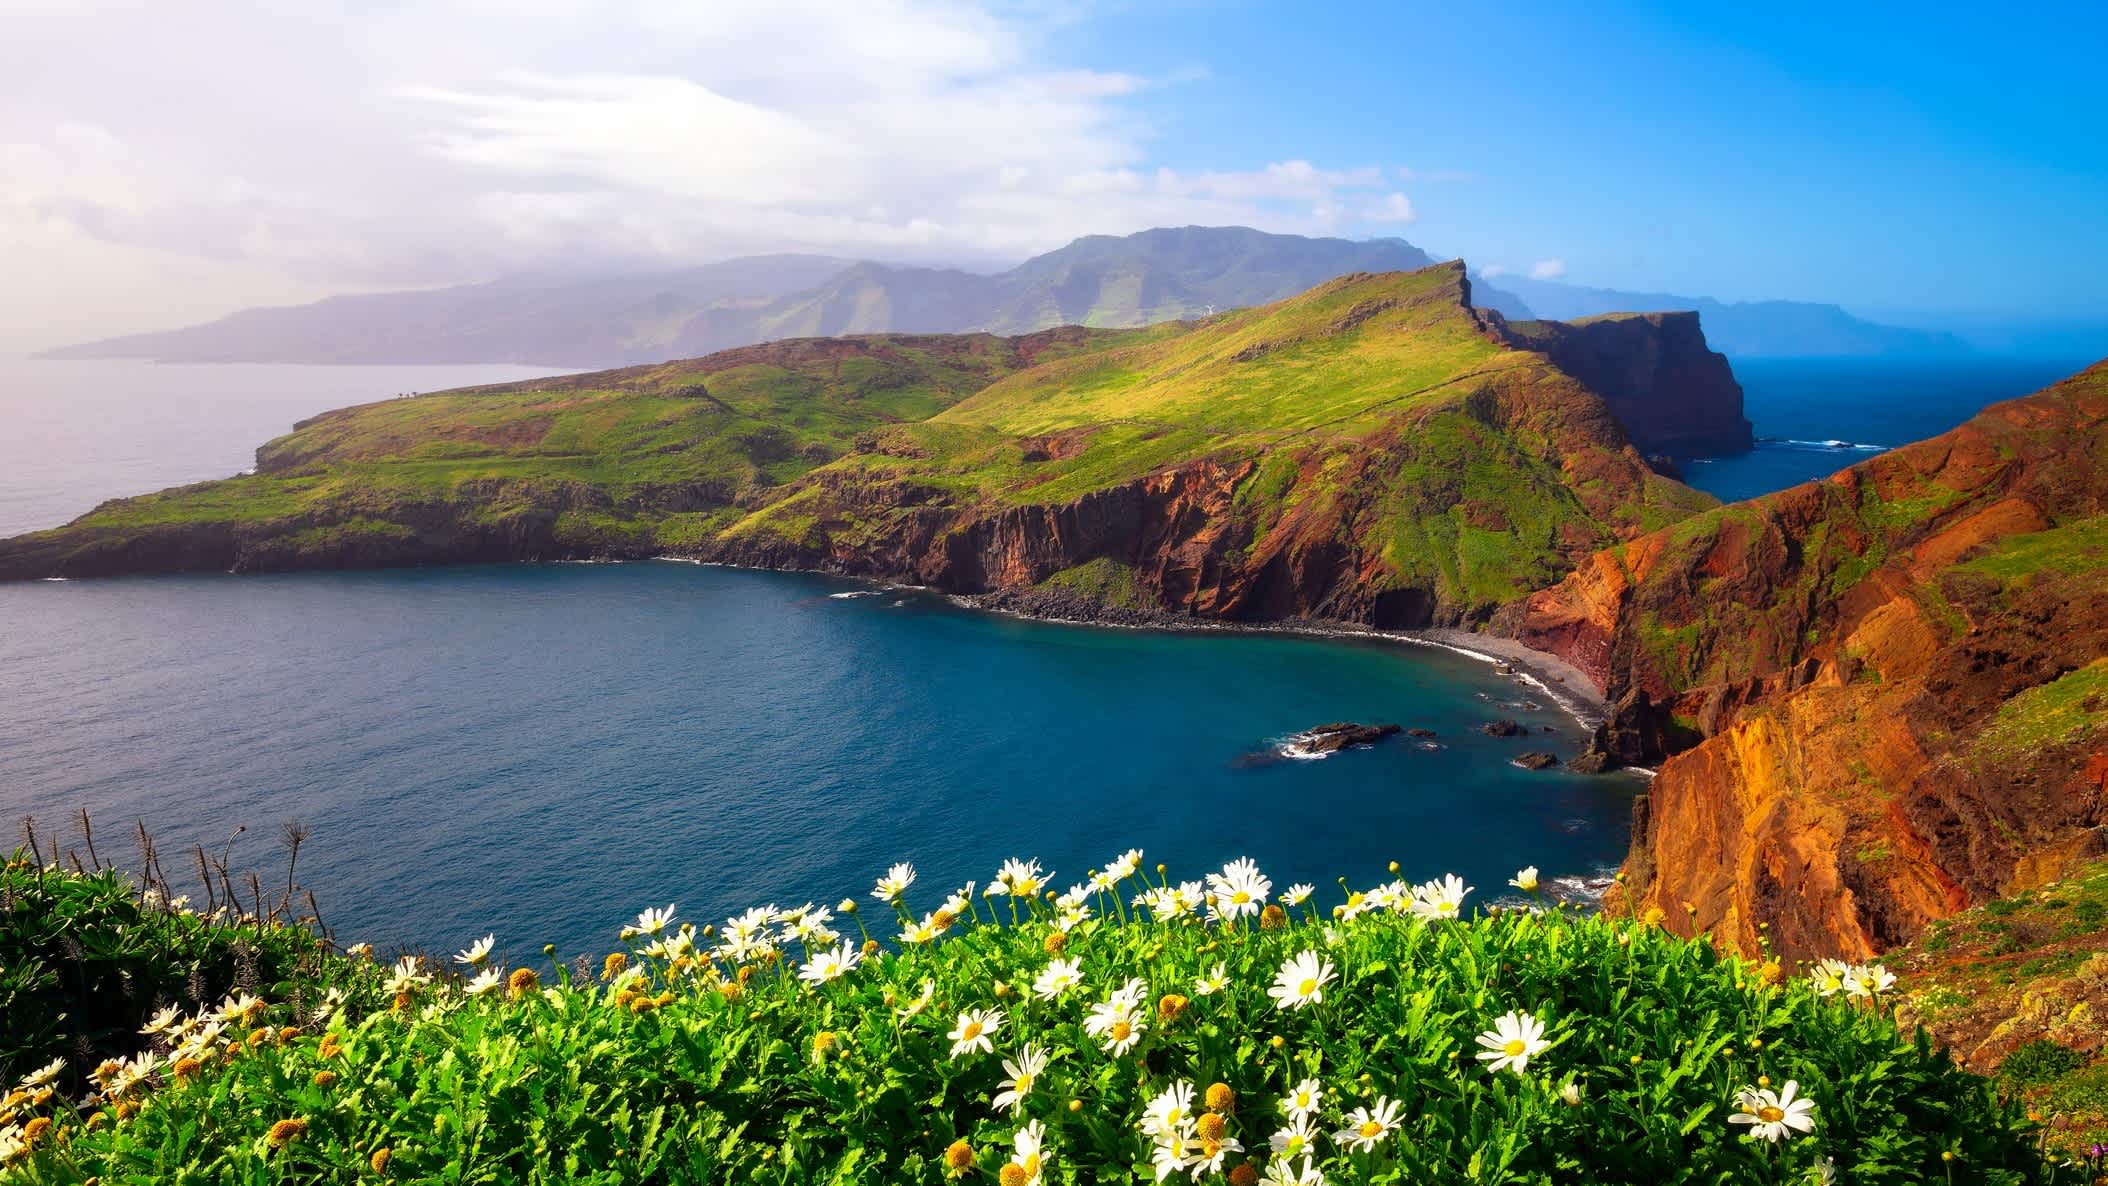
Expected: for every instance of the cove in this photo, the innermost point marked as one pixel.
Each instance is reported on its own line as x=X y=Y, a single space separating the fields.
x=543 y=750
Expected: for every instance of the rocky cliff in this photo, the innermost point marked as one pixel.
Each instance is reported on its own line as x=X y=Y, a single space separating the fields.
x=1674 y=393
x=1874 y=699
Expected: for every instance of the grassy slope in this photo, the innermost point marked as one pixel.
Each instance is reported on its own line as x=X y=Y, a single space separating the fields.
x=2020 y=985
x=703 y=1071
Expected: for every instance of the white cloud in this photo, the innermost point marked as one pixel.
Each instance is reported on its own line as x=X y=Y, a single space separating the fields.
x=1492 y=270
x=1548 y=269
x=339 y=144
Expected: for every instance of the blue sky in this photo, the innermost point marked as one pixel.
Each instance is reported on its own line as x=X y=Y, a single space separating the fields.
x=1893 y=157
x=1927 y=164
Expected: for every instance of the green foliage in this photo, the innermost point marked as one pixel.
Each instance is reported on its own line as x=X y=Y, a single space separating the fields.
x=2040 y=1061
x=691 y=1069
x=1104 y=580
x=2067 y=709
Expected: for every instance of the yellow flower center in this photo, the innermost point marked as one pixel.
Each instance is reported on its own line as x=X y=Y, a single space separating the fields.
x=1369 y=1128
x=1770 y=1115
x=1514 y=1048
x=1023 y=1084
x=1309 y=986
x=1120 y=1030
x=1210 y=1150
x=1240 y=897
x=972 y=1031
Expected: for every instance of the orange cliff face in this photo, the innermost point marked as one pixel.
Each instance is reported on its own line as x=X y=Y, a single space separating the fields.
x=1875 y=699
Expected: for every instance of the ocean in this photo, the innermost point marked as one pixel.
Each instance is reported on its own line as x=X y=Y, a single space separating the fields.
x=544 y=750
x=1815 y=416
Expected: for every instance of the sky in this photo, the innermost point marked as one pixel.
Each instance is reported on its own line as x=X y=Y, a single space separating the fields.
x=162 y=164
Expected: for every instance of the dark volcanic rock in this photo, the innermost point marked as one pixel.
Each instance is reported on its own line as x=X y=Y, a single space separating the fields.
x=1419 y=732
x=1502 y=728
x=1325 y=739
x=1536 y=760
x=1591 y=762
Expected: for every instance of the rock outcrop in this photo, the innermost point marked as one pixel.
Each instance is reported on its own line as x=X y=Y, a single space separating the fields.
x=1674 y=394
x=1874 y=699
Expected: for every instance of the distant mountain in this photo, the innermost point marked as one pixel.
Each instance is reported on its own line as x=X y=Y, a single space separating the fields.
x=1100 y=280
x=548 y=320
x=1105 y=281
x=1745 y=328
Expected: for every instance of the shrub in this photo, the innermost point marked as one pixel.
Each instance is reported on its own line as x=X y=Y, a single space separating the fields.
x=2040 y=1061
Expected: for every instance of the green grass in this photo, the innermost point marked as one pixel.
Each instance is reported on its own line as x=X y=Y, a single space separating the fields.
x=691 y=1068
x=2060 y=712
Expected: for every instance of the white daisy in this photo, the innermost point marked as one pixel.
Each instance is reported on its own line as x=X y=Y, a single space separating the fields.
x=1525 y=879
x=1059 y=977
x=1514 y=1039
x=1027 y=1152
x=1440 y=899
x=1281 y=1173
x=1217 y=979
x=1239 y=890
x=1022 y=879
x=1022 y=1073
x=1303 y=1100
x=489 y=980
x=1301 y=981
x=921 y=1002
x=1830 y=977
x=43 y=1076
x=974 y=1031
x=1297 y=894
x=650 y=921
x=477 y=952
x=1367 y=1126
x=830 y=964
x=1297 y=1139
x=1169 y=1112
x=894 y=885
x=162 y=1022
x=1116 y=1023
x=1773 y=1116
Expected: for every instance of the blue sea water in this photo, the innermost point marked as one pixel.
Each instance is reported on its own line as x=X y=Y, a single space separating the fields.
x=1815 y=416
x=541 y=751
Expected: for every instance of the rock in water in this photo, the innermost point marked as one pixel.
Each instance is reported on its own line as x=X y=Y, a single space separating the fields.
x=1536 y=761
x=1502 y=728
x=1325 y=739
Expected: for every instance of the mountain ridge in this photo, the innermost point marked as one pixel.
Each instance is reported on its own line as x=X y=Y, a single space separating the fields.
x=1127 y=281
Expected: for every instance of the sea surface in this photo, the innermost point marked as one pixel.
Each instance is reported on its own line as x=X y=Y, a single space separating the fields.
x=543 y=750
x=75 y=433
x=1815 y=416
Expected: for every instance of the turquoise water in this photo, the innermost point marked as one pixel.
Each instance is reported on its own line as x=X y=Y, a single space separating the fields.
x=1815 y=416
x=544 y=750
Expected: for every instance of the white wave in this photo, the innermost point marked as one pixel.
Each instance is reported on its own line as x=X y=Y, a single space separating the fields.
x=1829 y=446
x=55 y=578
x=855 y=593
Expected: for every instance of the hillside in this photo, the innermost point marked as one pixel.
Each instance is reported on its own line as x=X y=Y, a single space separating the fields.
x=1882 y=696
x=1374 y=450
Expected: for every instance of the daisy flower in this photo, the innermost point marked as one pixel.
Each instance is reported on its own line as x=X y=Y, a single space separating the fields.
x=1168 y=1114
x=1367 y=1126
x=1303 y=1100
x=1297 y=894
x=1297 y=1139
x=1525 y=879
x=1125 y=865
x=894 y=885
x=1868 y=980
x=1281 y=1173
x=1440 y=899
x=1239 y=890
x=831 y=964
x=1829 y=977
x=1217 y=979
x=1022 y=1073
x=477 y=952
x=1773 y=1116
x=1514 y=1039
x=1117 y=1023
x=974 y=1030
x=921 y=1002
x=1027 y=1152
x=650 y=922
x=1022 y=879
x=1059 y=977
x=162 y=1022
x=1204 y=1155
x=1173 y=1152
x=489 y=980
x=1301 y=981
x=43 y=1076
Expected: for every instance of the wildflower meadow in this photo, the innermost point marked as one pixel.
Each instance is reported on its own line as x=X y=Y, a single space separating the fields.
x=1132 y=1028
